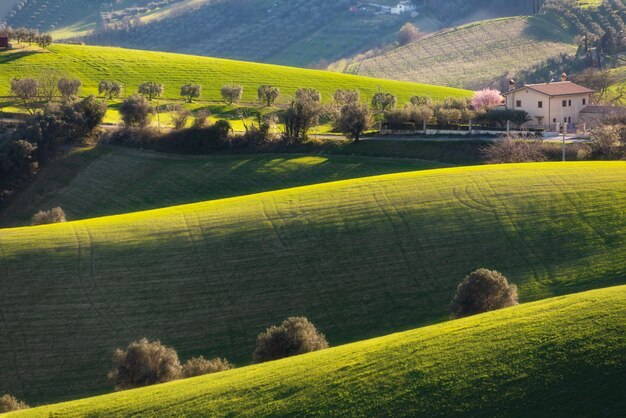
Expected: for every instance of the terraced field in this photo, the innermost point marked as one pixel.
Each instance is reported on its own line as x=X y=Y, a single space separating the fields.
x=474 y=55
x=563 y=356
x=93 y=64
x=360 y=258
x=109 y=180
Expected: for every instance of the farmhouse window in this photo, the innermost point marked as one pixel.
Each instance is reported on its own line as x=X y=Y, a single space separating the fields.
x=564 y=103
x=584 y=102
x=540 y=105
x=519 y=103
x=569 y=103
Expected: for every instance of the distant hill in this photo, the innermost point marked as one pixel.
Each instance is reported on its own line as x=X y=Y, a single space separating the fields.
x=361 y=258
x=93 y=64
x=474 y=55
x=557 y=357
x=290 y=32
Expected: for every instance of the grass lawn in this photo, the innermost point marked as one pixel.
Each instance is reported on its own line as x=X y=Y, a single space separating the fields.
x=93 y=64
x=558 y=357
x=109 y=180
x=360 y=258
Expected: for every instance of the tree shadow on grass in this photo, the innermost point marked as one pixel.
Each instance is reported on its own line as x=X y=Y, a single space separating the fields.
x=6 y=57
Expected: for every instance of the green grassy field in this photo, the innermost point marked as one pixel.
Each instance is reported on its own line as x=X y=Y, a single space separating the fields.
x=109 y=180
x=474 y=55
x=360 y=258
x=92 y=64
x=559 y=357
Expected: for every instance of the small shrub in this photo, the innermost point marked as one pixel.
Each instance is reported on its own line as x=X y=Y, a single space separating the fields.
x=144 y=363
x=10 y=403
x=52 y=216
x=200 y=119
x=180 y=118
x=136 y=111
x=296 y=335
x=232 y=93
x=511 y=150
x=483 y=291
x=198 y=366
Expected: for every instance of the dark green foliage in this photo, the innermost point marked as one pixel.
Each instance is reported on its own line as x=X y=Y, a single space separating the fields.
x=296 y=335
x=144 y=363
x=136 y=111
x=354 y=119
x=500 y=117
x=302 y=115
x=17 y=161
x=483 y=291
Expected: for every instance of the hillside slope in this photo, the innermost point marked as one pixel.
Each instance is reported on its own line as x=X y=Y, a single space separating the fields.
x=474 y=55
x=559 y=357
x=109 y=180
x=93 y=64
x=360 y=258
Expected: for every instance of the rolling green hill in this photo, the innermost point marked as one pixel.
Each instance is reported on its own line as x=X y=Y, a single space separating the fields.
x=360 y=258
x=109 y=180
x=93 y=64
x=474 y=55
x=558 y=357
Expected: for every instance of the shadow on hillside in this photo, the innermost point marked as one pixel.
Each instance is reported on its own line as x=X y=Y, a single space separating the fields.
x=7 y=57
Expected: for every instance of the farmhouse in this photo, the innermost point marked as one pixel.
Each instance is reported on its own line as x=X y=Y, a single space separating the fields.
x=403 y=7
x=550 y=105
x=4 y=42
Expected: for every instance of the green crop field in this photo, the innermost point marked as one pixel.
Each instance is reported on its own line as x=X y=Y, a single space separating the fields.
x=360 y=258
x=109 y=180
x=93 y=64
x=559 y=357
x=474 y=55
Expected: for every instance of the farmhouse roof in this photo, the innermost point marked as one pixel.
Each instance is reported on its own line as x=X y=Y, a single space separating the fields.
x=604 y=110
x=561 y=88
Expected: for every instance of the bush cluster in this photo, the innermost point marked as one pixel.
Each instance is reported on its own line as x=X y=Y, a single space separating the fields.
x=483 y=291
x=9 y=403
x=52 y=216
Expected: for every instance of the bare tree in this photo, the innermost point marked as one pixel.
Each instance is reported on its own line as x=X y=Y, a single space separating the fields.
x=27 y=91
x=48 y=85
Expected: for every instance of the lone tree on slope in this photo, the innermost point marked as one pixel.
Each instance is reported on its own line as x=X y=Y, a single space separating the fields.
x=483 y=291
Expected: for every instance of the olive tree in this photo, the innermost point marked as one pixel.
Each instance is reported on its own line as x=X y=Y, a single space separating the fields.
x=136 y=111
x=151 y=89
x=52 y=216
x=191 y=91
x=110 y=88
x=296 y=335
x=144 y=363
x=343 y=97
x=354 y=119
x=482 y=291
x=232 y=93
x=268 y=94
x=198 y=366
x=68 y=87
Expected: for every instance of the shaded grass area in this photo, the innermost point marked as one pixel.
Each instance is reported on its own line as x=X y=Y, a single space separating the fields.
x=559 y=357
x=360 y=258
x=109 y=180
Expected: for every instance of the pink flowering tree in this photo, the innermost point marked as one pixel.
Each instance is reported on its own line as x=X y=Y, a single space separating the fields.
x=486 y=99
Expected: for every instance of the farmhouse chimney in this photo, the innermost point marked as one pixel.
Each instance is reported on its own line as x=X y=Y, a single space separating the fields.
x=564 y=77
x=511 y=84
